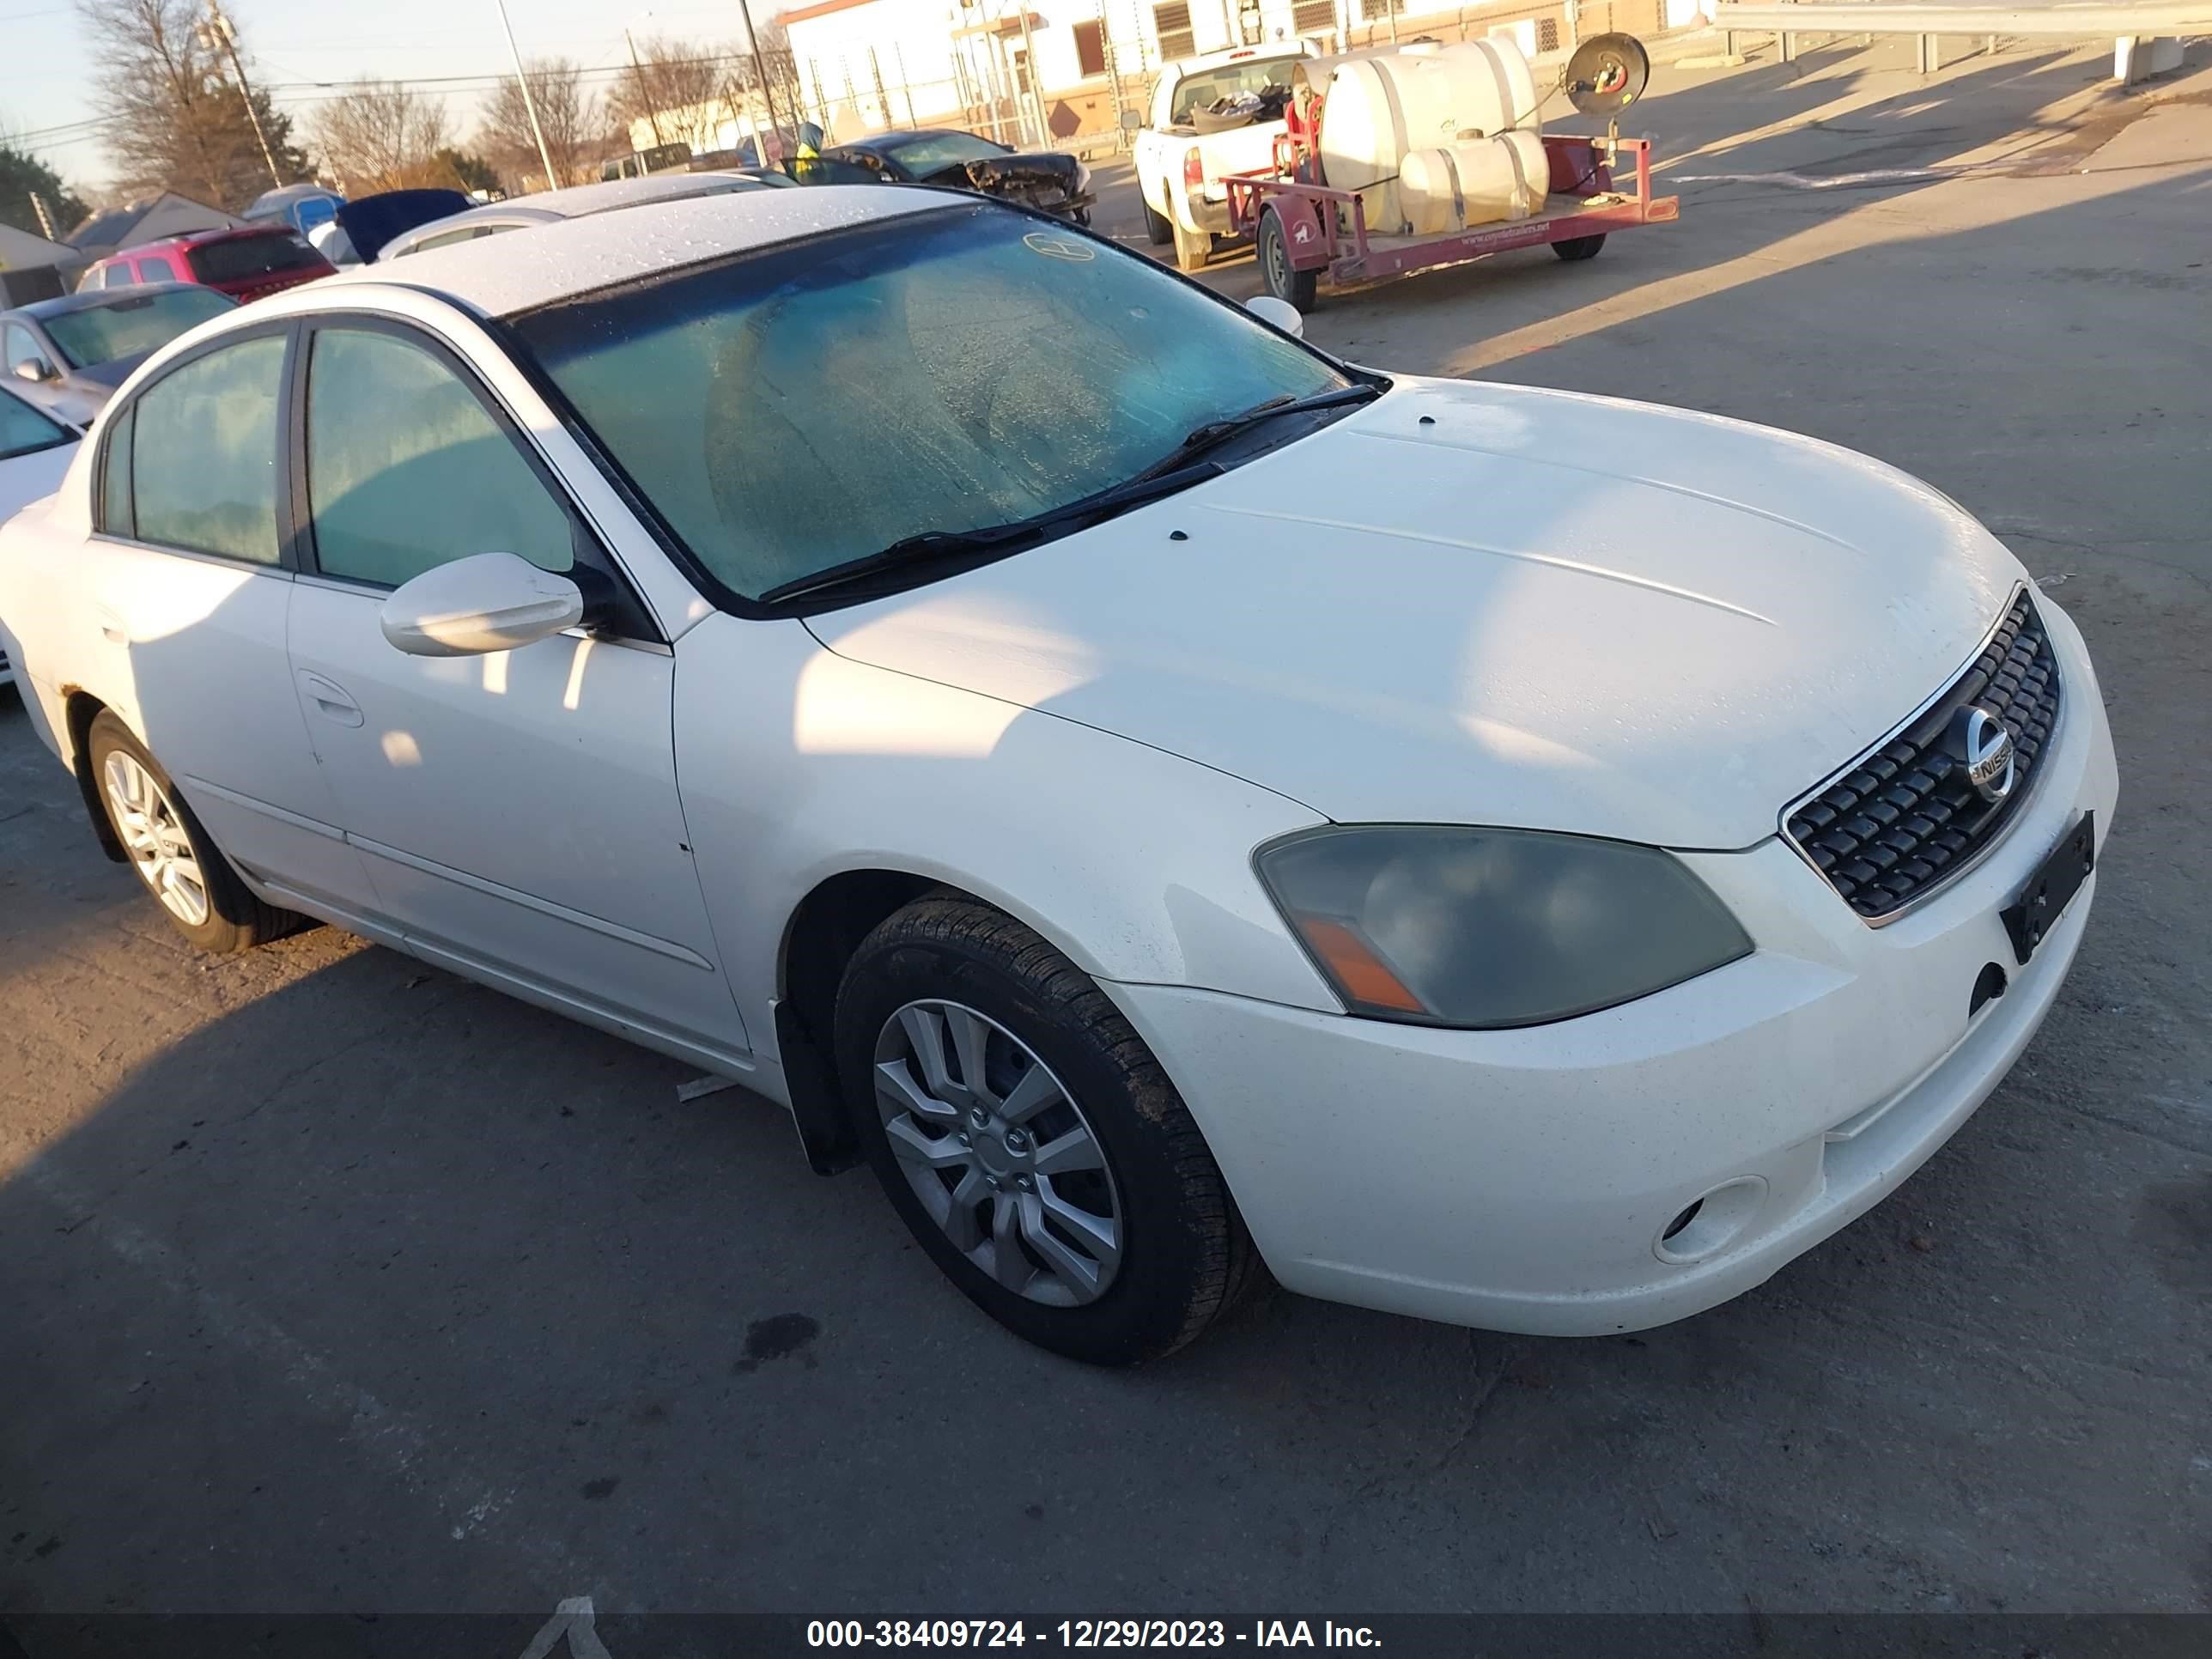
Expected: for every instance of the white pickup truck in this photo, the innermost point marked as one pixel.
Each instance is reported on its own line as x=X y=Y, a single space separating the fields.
x=1183 y=155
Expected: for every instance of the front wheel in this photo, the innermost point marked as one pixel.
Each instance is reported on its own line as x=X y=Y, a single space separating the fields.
x=1296 y=286
x=1579 y=247
x=1029 y=1140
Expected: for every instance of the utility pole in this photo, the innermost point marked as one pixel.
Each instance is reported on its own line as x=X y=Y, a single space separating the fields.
x=652 y=102
x=760 y=73
x=219 y=33
x=529 y=103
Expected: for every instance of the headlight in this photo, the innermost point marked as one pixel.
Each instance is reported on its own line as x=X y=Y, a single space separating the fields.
x=1470 y=927
x=1082 y=178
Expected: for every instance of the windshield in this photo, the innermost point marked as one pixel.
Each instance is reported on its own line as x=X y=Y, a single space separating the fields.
x=132 y=323
x=24 y=431
x=932 y=150
x=812 y=404
x=1256 y=75
x=239 y=258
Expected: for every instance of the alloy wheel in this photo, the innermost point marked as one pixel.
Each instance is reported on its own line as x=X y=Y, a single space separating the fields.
x=998 y=1153
x=152 y=831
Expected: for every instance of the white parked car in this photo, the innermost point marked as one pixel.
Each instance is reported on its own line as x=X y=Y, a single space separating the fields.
x=35 y=451
x=1170 y=800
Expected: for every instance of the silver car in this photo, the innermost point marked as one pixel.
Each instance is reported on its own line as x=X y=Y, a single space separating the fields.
x=552 y=206
x=66 y=357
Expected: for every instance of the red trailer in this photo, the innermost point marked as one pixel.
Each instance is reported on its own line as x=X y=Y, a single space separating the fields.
x=1305 y=230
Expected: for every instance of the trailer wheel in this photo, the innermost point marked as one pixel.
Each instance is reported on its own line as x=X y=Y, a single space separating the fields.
x=1579 y=247
x=1156 y=227
x=1297 y=288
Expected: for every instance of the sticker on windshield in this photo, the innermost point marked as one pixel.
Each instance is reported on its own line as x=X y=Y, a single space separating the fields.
x=1059 y=247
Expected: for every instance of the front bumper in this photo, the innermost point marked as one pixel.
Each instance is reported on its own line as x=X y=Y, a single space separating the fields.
x=1524 y=1180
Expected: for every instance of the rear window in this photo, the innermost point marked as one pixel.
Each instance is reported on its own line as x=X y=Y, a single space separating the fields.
x=138 y=323
x=242 y=259
x=1257 y=75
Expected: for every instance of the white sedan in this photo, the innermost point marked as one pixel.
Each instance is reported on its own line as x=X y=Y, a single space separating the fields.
x=1169 y=800
x=35 y=451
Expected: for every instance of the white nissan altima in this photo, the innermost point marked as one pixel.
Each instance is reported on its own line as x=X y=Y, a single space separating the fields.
x=1169 y=800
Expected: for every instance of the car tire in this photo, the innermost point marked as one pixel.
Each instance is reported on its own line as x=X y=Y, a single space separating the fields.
x=1579 y=247
x=1158 y=227
x=948 y=977
x=173 y=853
x=1297 y=288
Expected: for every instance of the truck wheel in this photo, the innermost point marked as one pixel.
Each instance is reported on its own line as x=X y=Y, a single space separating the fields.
x=1579 y=247
x=1192 y=247
x=1296 y=286
x=1029 y=1139
x=1158 y=227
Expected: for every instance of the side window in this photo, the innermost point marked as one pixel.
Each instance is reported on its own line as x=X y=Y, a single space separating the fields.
x=407 y=471
x=157 y=268
x=204 y=466
x=18 y=348
x=115 y=518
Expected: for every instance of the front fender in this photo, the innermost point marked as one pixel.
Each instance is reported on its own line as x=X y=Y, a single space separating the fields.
x=1305 y=243
x=797 y=765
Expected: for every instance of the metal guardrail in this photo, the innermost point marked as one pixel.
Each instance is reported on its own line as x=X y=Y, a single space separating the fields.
x=2126 y=23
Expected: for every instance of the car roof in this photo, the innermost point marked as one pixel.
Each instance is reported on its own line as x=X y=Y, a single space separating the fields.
x=198 y=239
x=578 y=200
x=95 y=299
x=577 y=256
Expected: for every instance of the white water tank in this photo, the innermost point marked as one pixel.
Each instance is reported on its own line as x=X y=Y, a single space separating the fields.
x=1382 y=106
x=1474 y=181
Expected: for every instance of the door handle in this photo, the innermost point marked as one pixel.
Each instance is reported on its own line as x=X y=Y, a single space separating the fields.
x=112 y=629
x=329 y=699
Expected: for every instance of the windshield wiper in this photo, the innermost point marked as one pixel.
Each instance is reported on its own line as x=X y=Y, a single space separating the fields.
x=936 y=543
x=1200 y=439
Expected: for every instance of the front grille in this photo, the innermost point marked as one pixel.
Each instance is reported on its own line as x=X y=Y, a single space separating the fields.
x=1904 y=819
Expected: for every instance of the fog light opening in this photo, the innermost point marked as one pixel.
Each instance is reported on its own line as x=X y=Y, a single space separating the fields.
x=1989 y=986
x=1712 y=1222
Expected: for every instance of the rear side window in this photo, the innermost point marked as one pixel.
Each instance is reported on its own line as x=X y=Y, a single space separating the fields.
x=242 y=259
x=204 y=454
x=407 y=470
x=158 y=268
x=115 y=481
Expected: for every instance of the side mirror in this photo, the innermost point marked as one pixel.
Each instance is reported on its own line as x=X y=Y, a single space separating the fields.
x=37 y=370
x=1278 y=313
x=1131 y=121
x=475 y=606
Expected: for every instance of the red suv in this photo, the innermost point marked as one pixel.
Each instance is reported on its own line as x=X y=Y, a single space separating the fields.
x=246 y=265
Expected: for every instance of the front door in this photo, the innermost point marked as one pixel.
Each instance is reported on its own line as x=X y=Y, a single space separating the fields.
x=517 y=811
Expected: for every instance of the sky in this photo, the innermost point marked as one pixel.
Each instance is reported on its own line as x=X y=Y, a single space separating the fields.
x=453 y=48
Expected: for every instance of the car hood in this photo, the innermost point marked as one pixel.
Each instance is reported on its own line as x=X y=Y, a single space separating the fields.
x=1040 y=179
x=1469 y=603
x=28 y=478
x=103 y=377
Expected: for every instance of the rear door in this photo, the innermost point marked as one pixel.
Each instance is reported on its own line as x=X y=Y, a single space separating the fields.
x=517 y=811
x=189 y=579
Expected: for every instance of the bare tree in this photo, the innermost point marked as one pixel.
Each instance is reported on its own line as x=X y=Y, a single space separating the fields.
x=177 y=116
x=383 y=137
x=575 y=123
x=678 y=88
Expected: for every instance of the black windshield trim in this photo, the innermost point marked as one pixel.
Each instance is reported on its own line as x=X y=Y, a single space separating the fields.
x=507 y=330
